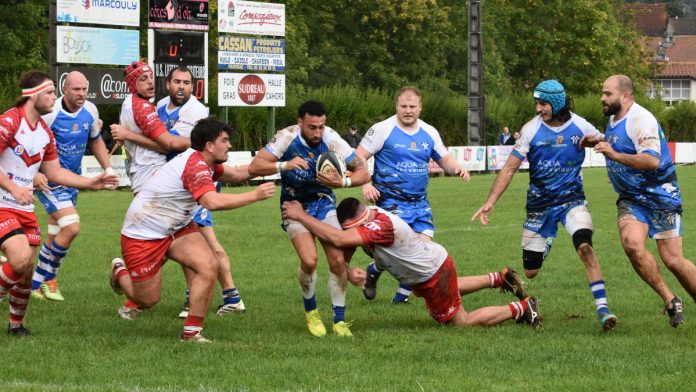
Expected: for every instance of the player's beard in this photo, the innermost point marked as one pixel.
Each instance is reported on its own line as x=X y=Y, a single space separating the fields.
x=612 y=108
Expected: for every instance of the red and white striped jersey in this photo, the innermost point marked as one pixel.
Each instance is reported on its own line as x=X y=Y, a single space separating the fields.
x=169 y=198
x=139 y=115
x=22 y=149
x=410 y=258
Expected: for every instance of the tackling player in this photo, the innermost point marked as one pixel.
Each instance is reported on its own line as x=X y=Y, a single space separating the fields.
x=293 y=152
x=27 y=145
x=403 y=146
x=551 y=144
x=417 y=262
x=74 y=122
x=158 y=223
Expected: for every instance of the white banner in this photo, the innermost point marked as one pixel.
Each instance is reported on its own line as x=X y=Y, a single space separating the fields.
x=498 y=155
x=472 y=158
x=92 y=168
x=109 y=12
x=251 y=17
x=87 y=45
x=236 y=89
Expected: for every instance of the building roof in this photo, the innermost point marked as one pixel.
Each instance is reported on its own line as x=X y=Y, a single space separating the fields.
x=683 y=26
x=650 y=19
x=684 y=49
x=678 y=70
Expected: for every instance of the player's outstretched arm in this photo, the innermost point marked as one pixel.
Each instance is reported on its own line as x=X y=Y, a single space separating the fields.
x=215 y=201
x=453 y=168
x=265 y=164
x=235 y=174
x=57 y=174
x=502 y=181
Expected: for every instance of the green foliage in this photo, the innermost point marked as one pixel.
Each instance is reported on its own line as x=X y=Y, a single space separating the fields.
x=680 y=124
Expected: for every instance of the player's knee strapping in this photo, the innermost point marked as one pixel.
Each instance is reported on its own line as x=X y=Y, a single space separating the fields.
x=582 y=236
x=68 y=220
x=532 y=260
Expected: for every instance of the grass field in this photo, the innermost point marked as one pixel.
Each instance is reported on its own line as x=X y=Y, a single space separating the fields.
x=81 y=344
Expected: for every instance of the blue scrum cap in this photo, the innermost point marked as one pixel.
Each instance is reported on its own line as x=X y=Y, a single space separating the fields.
x=551 y=92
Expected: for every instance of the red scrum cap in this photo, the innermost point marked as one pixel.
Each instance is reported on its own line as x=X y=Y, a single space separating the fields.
x=133 y=72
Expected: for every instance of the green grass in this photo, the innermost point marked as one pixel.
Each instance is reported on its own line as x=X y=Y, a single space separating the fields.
x=81 y=345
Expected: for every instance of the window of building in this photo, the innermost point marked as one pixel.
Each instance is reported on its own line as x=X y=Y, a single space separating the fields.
x=671 y=89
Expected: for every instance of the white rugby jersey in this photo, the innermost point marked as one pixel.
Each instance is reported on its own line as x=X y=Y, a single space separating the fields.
x=169 y=198
x=400 y=250
x=22 y=149
x=139 y=115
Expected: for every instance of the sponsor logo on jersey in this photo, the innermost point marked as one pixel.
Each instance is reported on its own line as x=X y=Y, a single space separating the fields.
x=575 y=139
x=19 y=150
x=425 y=145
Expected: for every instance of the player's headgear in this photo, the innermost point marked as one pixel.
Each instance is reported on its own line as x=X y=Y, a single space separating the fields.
x=133 y=72
x=551 y=92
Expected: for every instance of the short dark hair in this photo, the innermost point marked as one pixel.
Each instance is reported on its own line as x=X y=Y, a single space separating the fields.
x=207 y=130
x=348 y=208
x=30 y=79
x=313 y=108
x=181 y=68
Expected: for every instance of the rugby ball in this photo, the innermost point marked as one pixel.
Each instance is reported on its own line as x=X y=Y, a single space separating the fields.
x=331 y=160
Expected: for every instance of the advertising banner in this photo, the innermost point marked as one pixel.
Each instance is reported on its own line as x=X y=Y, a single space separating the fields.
x=92 y=168
x=238 y=89
x=498 y=155
x=178 y=14
x=87 y=45
x=471 y=158
x=251 y=17
x=109 y=12
x=105 y=85
x=251 y=54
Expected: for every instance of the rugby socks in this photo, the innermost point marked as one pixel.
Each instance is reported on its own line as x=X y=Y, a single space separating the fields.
x=496 y=279
x=308 y=283
x=230 y=296
x=337 y=292
x=402 y=293
x=130 y=304
x=599 y=293
x=192 y=327
x=19 y=298
x=50 y=257
x=8 y=278
x=373 y=270
x=518 y=308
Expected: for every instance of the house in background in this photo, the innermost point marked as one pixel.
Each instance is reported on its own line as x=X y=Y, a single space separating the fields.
x=672 y=43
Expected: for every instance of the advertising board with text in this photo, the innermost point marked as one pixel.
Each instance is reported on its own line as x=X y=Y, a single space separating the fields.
x=87 y=45
x=181 y=14
x=238 y=89
x=251 y=17
x=109 y=12
x=105 y=85
x=251 y=54
x=167 y=49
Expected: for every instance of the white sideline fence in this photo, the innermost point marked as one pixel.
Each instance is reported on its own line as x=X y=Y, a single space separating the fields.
x=478 y=158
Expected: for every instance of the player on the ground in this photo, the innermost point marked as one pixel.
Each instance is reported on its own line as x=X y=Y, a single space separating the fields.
x=27 y=145
x=180 y=111
x=158 y=223
x=416 y=261
x=403 y=146
x=551 y=144
x=640 y=168
x=75 y=123
x=293 y=152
